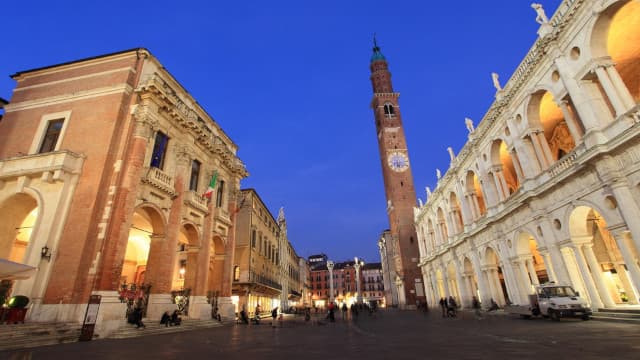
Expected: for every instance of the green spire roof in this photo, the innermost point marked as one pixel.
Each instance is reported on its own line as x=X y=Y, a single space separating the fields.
x=377 y=54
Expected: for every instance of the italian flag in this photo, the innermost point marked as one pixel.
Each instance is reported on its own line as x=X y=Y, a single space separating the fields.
x=207 y=194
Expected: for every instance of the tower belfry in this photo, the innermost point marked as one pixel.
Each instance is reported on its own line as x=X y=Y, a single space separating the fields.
x=398 y=181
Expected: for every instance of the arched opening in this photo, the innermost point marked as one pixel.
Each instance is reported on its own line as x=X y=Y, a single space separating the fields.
x=527 y=250
x=544 y=113
x=623 y=44
x=431 y=235
x=454 y=290
x=506 y=178
x=185 y=267
x=216 y=267
x=440 y=284
x=470 y=280
x=456 y=213
x=442 y=226
x=19 y=215
x=608 y=269
x=494 y=278
x=476 y=196
x=146 y=238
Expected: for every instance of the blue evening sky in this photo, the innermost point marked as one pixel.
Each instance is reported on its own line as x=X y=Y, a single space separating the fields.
x=288 y=81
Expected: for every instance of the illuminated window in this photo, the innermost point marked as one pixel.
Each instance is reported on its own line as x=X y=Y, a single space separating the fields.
x=236 y=273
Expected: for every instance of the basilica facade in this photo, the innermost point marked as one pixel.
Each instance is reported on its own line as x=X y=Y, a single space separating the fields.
x=547 y=187
x=103 y=166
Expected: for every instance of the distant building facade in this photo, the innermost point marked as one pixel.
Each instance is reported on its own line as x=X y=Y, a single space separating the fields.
x=257 y=276
x=548 y=186
x=103 y=164
x=373 y=284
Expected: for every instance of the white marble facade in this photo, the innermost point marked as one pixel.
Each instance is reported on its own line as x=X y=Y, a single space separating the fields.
x=547 y=188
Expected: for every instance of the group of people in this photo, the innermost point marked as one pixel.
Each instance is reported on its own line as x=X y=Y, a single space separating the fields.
x=449 y=307
x=172 y=319
x=244 y=317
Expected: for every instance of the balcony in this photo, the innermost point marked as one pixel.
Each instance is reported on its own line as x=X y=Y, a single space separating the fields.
x=159 y=180
x=195 y=200
x=50 y=166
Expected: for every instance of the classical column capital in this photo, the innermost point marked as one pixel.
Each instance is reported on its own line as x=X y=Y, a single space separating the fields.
x=145 y=124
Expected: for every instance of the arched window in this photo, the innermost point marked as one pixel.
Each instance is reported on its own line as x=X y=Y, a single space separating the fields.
x=389 y=111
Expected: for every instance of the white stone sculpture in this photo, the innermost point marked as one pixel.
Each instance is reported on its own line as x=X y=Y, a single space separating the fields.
x=438 y=174
x=451 y=154
x=541 y=17
x=428 y=189
x=420 y=202
x=496 y=82
x=469 y=123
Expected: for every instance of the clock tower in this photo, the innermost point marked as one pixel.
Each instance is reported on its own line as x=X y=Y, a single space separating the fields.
x=398 y=183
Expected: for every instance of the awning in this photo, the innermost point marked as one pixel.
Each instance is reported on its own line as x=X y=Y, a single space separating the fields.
x=10 y=270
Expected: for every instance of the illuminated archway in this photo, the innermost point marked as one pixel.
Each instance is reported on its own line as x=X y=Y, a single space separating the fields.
x=456 y=213
x=19 y=214
x=494 y=277
x=474 y=190
x=501 y=159
x=609 y=273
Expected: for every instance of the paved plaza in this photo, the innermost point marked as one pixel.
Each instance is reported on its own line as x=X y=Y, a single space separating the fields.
x=386 y=335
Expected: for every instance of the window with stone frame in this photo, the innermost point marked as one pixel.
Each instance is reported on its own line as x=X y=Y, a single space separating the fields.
x=220 y=194
x=159 y=150
x=54 y=128
x=195 y=175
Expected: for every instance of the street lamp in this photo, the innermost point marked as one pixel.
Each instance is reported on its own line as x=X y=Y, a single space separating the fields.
x=330 y=265
x=358 y=264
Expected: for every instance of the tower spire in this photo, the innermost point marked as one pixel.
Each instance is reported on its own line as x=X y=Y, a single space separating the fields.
x=377 y=54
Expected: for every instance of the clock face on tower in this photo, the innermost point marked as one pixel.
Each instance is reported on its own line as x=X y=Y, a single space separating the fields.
x=398 y=161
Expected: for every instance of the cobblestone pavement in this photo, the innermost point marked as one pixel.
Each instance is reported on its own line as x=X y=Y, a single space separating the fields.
x=386 y=335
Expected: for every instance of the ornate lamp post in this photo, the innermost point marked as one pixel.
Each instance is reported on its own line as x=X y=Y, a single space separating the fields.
x=330 y=267
x=358 y=264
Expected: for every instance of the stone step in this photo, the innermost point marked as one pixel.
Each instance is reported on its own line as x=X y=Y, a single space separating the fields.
x=155 y=328
x=634 y=310
x=21 y=336
x=619 y=315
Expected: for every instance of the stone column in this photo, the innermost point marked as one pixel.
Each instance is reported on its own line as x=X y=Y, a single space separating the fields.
x=492 y=291
x=524 y=284
x=548 y=266
x=628 y=210
x=572 y=124
x=483 y=287
x=516 y=164
x=609 y=90
x=118 y=232
x=358 y=264
x=621 y=88
x=622 y=239
x=225 y=305
x=463 y=296
x=532 y=271
x=580 y=100
x=160 y=268
x=500 y=300
x=597 y=275
x=596 y=302
x=539 y=153
x=546 y=151
x=330 y=266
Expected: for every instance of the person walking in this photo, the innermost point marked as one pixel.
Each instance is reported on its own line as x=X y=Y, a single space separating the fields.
x=443 y=305
x=274 y=316
x=475 y=304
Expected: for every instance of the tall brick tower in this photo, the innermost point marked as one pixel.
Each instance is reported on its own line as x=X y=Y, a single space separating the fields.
x=398 y=183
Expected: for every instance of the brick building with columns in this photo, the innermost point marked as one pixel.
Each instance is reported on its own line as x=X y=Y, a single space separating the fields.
x=547 y=187
x=103 y=164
